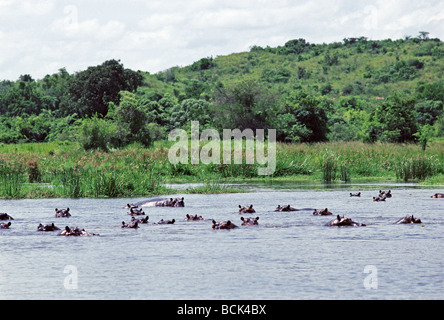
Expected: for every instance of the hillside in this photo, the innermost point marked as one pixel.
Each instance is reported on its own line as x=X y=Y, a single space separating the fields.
x=357 y=89
x=353 y=67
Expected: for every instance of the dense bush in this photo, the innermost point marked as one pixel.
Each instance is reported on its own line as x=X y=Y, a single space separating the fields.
x=308 y=92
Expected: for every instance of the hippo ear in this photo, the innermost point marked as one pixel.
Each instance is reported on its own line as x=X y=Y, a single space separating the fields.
x=257 y=218
x=242 y=218
x=240 y=206
x=182 y=198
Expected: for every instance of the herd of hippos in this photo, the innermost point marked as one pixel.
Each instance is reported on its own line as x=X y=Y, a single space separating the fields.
x=179 y=202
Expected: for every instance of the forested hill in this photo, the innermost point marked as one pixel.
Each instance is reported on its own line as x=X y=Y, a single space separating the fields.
x=357 y=89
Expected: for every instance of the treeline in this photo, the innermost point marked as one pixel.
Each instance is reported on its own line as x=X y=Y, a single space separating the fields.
x=354 y=90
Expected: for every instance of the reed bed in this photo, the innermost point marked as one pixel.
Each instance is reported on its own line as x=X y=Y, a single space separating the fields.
x=66 y=170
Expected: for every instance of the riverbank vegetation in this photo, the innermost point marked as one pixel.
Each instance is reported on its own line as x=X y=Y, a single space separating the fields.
x=344 y=111
x=67 y=170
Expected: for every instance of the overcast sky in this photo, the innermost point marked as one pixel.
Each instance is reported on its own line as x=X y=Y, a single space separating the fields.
x=39 y=37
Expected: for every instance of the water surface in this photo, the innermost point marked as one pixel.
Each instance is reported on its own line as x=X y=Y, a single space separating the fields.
x=289 y=255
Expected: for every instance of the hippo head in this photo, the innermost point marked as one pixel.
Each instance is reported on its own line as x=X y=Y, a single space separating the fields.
x=340 y=222
x=246 y=209
x=408 y=219
x=249 y=221
x=223 y=225
x=179 y=202
x=5 y=225
x=437 y=195
x=5 y=216
x=323 y=212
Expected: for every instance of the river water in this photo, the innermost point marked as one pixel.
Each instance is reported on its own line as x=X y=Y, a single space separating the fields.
x=289 y=255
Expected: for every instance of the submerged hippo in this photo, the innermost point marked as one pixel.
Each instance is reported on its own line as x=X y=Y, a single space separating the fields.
x=166 y=221
x=343 y=222
x=246 y=209
x=437 y=195
x=355 y=194
x=223 y=225
x=136 y=212
x=160 y=202
x=75 y=232
x=142 y=220
x=5 y=225
x=379 y=198
x=48 y=227
x=129 y=206
x=5 y=216
x=387 y=194
x=321 y=212
x=193 y=218
x=134 y=224
x=62 y=213
x=249 y=221
x=280 y=208
x=408 y=219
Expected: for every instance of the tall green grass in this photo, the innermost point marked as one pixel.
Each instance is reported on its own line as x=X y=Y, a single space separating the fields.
x=416 y=168
x=11 y=179
x=66 y=170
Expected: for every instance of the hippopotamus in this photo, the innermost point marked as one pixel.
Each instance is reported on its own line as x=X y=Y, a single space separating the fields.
x=129 y=206
x=387 y=194
x=379 y=198
x=246 y=209
x=5 y=225
x=142 y=221
x=408 y=219
x=159 y=202
x=437 y=195
x=280 y=208
x=134 y=224
x=249 y=221
x=48 y=227
x=75 y=232
x=136 y=212
x=223 y=225
x=321 y=212
x=5 y=216
x=193 y=218
x=166 y=221
x=62 y=213
x=342 y=222
x=355 y=194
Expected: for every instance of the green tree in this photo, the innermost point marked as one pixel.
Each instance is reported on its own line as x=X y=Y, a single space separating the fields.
x=190 y=110
x=243 y=104
x=302 y=118
x=394 y=119
x=90 y=91
x=428 y=111
x=96 y=133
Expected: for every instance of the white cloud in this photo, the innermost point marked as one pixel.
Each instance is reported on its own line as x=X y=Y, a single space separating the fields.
x=158 y=34
x=38 y=7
